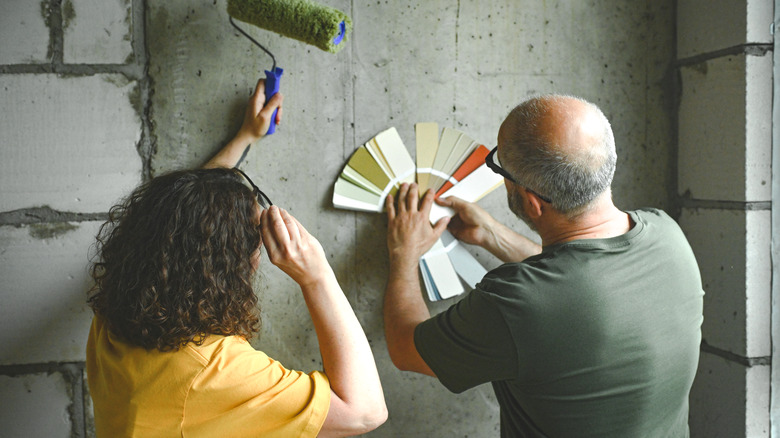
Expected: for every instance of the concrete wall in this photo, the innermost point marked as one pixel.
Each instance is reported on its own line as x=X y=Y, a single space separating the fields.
x=97 y=96
x=725 y=115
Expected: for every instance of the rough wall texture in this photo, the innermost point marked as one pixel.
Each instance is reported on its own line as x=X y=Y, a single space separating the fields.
x=96 y=98
x=725 y=176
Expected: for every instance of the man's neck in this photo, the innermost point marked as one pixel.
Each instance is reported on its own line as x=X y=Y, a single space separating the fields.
x=601 y=222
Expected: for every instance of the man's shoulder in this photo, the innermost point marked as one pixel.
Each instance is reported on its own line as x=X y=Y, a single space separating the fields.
x=513 y=280
x=651 y=215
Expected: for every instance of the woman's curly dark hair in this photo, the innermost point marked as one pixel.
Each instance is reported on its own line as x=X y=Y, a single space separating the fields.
x=174 y=261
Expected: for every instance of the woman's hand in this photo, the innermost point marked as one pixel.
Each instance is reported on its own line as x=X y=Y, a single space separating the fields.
x=257 y=117
x=291 y=248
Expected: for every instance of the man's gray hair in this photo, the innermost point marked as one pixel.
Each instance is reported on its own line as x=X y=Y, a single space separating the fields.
x=570 y=181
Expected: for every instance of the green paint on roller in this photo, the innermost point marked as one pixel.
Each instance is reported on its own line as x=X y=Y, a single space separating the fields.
x=302 y=20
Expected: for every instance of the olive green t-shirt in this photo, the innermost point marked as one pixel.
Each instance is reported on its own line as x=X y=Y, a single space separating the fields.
x=591 y=338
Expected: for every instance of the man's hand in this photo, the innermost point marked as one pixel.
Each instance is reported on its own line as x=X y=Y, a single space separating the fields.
x=471 y=224
x=409 y=236
x=474 y=225
x=409 y=232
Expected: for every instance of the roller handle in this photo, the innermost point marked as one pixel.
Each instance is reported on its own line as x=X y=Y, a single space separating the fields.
x=272 y=87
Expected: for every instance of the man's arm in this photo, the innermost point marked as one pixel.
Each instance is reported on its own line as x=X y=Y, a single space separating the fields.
x=357 y=403
x=409 y=236
x=474 y=225
x=257 y=119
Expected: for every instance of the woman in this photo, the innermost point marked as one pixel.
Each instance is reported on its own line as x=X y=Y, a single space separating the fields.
x=167 y=353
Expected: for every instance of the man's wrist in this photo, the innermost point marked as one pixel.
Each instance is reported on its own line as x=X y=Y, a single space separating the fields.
x=403 y=263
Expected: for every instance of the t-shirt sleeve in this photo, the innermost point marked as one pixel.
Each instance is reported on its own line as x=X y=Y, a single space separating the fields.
x=468 y=344
x=243 y=392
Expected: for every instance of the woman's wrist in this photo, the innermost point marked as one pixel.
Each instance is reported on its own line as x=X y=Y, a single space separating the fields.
x=244 y=138
x=317 y=280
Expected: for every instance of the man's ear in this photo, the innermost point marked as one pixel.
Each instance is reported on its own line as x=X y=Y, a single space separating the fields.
x=534 y=204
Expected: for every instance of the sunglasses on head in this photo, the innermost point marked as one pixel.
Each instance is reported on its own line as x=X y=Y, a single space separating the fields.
x=492 y=164
x=262 y=198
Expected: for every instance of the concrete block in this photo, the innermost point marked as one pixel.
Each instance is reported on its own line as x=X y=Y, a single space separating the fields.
x=35 y=405
x=758 y=127
x=68 y=142
x=725 y=129
x=24 y=32
x=733 y=251
x=44 y=316
x=705 y=26
x=729 y=400
x=97 y=32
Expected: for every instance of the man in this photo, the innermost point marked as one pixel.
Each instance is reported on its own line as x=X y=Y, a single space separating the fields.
x=594 y=333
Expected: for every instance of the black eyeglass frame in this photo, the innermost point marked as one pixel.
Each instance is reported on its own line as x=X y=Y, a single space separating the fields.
x=490 y=161
x=262 y=198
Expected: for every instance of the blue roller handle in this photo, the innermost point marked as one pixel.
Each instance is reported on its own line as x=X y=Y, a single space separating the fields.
x=272 y=87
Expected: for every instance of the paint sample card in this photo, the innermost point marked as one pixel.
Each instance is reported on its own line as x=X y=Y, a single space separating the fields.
x=447 y=142
x=452 y=164
x=447 y=266
x=374 y=171
x=443 y=281
x=427 y=136
x=470 y=164
x=395 y=155
x=473 y=188
x=467 y=267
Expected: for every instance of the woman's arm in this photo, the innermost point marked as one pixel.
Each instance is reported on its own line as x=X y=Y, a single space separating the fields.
x=257 y=119
x=357 y=402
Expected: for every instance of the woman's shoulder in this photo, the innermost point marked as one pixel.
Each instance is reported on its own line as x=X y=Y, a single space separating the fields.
x=219 y=347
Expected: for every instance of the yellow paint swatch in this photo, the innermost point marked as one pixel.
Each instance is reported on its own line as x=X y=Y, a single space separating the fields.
x=427 y=136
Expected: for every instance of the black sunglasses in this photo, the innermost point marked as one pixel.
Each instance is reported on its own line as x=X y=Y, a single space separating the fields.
x=262 y=198
x=493 y=165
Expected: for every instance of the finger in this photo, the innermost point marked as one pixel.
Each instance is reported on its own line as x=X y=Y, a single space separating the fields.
x=291 y=224
x=390 y=207
x=456 y=203
x=273 y=103
x=269 y=241
x=427 y=202
x=444 y=202
x=402 y=193
x=260 y=86
x=258 y=97
x=279 y=116
x=278 y=227
x=412 y=197
x=301 y=229
x=440 y=226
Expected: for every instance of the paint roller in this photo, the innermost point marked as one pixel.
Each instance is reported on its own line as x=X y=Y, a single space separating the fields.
x=303 y=20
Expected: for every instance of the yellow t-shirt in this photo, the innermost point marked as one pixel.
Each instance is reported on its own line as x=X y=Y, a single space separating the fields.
x=221 y=388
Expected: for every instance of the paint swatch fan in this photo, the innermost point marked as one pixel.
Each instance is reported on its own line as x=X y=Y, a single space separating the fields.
x=451 y=165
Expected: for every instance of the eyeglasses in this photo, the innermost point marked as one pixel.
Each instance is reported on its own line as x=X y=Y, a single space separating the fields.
x=493 y=165
x=262 y=198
